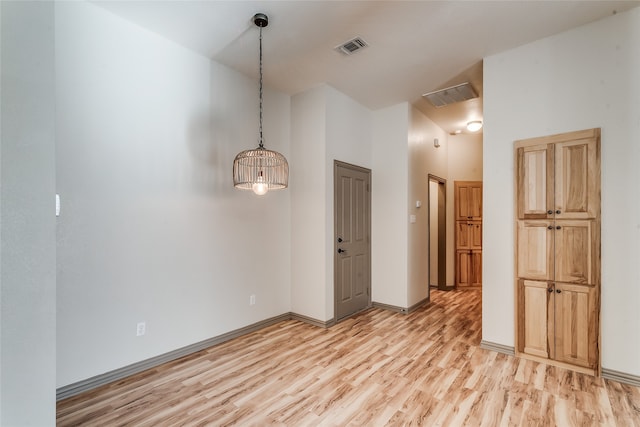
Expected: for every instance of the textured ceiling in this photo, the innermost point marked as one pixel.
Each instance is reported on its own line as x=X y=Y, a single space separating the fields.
x=414 y=46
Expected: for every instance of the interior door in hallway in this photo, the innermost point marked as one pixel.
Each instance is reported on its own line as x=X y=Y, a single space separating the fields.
x=468 y=233
x=352 y=239
x=437 y=232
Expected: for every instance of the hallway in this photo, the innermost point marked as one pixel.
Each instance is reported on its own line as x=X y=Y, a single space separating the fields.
x=378 y=368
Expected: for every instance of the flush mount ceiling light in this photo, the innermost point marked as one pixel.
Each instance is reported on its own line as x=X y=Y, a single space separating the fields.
x=260 y=169
x=474 y=126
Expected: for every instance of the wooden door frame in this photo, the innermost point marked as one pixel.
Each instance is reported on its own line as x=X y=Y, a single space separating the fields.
x=442 y=237
x=336 y=164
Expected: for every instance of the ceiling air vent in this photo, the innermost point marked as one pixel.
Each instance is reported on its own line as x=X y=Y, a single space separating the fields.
x=352 y=46
x=450 y=95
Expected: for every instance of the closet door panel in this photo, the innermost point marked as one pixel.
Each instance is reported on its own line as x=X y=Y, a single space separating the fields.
x=534 y=180
x=463 y=268
x=535 y=250
x=462 y=235
x=573 y=252
x=576 y=172
x=475 y=234
x=475 y=201
x=533 y=317
x=475 y=268
x=576 y=324
x=468 y=200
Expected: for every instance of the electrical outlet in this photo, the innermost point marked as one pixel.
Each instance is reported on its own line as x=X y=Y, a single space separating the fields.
x=141 y=329
x=252 y=300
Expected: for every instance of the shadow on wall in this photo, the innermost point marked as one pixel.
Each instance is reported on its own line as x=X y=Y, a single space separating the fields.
x=208 y=142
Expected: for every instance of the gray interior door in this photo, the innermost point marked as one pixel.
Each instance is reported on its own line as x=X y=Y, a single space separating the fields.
x=352 y=216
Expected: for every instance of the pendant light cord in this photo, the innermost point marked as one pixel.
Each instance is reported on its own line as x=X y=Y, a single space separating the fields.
x=261 y=145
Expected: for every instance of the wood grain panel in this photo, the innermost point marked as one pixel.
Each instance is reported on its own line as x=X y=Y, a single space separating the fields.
x=475 y=269
x=573 y=251
x=475 y=234
x=463 y=268
x=475 y=201
x=577 y=179
x=535 y=253
x=462 y=235
x=534 y=181
x=576 y=324
x=468 y=200
x=534 y=333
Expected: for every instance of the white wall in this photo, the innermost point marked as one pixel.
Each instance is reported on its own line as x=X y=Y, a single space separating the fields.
x=465 y=157
x=583 y=78
x=326 y=126
x=309 y=296
x=151 y=226
x=389 y=217
x=27 y=226
x=424 y=159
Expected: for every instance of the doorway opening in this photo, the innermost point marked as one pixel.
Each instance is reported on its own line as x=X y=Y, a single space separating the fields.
x=437 y=211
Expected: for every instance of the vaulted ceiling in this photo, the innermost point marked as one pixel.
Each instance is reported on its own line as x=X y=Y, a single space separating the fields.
x=414 y=46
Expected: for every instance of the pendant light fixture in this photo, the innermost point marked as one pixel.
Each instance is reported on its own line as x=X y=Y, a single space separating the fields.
x=260 y=169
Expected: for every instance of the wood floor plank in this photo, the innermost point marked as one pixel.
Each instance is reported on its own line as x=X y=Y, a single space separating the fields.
x=379 y=368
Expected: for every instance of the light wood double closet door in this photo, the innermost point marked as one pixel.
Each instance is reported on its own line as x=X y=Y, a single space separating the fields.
x=468 y=233
x=558 y=248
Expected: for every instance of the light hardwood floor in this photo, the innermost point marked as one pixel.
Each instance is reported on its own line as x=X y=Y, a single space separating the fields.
x=378 y=368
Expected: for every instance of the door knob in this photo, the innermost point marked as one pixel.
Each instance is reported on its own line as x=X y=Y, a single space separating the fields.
x=550 y=227
x=558 y=227
x=558 y=291
x=339 y=239
x=550 y=212
x=340 y=250
x=550 y=290
x=558 y=212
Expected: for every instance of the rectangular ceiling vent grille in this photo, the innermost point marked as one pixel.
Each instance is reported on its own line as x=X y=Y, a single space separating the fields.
x=352 y=46
x=451 y=95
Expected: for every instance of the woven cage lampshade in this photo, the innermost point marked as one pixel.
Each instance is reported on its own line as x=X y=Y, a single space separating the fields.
x=260 y=166
x=260 y=169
